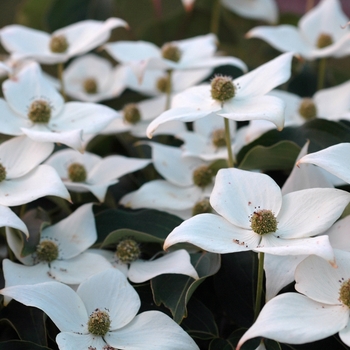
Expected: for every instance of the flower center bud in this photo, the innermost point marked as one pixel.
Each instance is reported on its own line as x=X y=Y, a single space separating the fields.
x=47 y=251
x=263 y=221
x=344 y=293
x=90 y=86
x=307 y=109
x=39 y=111
x=2 y=173
x=58 y=44
x=222 y=88
x=201 y=207
x=77 y=172
x=324 y=40
x=218 y=138
x=171 y=52
x=99 y=323
x=131 y=113
x=202 y=176
x=128 y=251
x=163 y=84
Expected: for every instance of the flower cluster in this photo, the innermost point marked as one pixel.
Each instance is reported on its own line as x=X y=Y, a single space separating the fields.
x=229 y=229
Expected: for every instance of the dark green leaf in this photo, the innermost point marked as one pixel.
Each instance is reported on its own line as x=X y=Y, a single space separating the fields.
x=153 y=222
x=235 y=286
x=174 y=291
x=221 y=344
x=21 y=345
x=27 y=321
x=200 y=322
x=321 y=133
x=280 y=156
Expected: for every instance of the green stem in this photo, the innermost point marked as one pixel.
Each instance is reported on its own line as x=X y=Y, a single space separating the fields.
x=321 y=73
x=215 y=18
x=169 y=89
x=230 y=160
x=259 y=287
x=60 y=68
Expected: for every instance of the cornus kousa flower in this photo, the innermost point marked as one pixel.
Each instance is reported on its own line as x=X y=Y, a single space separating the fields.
x=207 y=140
x=193 y=53
x=188 y=182
x=253 y=215
x=322 y=310
x=126 y=258
x=102 y=315
x=241 y=99
x=334 y=159
x=22 y=178
x=265 y=10
x=89 y=172
x=73 y=40
x=35 y=108
x=60 y=253
x=320 y=33
x=91 y=78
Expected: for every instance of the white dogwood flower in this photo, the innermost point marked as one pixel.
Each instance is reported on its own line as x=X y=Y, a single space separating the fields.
x=320 y=33
x=73 y=40
x=102 y=314
x=35 y=108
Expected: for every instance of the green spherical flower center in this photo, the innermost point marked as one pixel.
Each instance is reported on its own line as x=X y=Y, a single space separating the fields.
x=90 y=86
x=307 y=109
x=47 y=251
x=171 y=52
x=218 y=138
x=39 y=111
x=128 y=251
x=163 y=84
x=202 y=176
x=202 y=207
x=2 y=173
x=58 y=44
x=344 y=293
x=324 y=40
x=131 y=113
x=222 y=88
x=263 y=222
x=77 y=172
x=99 y=323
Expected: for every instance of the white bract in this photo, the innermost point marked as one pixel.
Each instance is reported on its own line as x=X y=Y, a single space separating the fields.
x=334 y=159
x=60 y=255
x=320 y=33
x=91 y=78
x=178 y=193
x=265 y=10
x=23 y=179
x=102 y=314
x=193 y=53
x=73 y=40
x=253 y=215
x=207 y=140
x=139 y=270
x=35 y=108
x=247 y=101
x=322 y=311
x=90 y=172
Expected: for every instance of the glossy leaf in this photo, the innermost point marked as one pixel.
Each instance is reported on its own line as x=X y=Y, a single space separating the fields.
x=153 y=222
x=27 y=321
x=200 y=322
x=280 y=156
x=174 y=291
